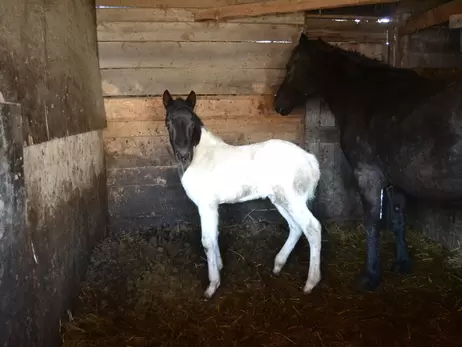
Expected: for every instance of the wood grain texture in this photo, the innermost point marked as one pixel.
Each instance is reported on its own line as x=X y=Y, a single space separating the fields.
x=134 y=207
x=431 y=17
x=193 y=55
x=138 y=109
x=277 y=6
x=183 y=15
x=186 y=31
x=141 y=82
x=155 y=150
x=55 y=79
x=163 y=4
x=219 y=125
x=347 y=36
x=455 y=21
x=339 y=29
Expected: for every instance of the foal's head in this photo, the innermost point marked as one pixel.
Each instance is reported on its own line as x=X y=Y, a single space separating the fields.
x=303 y=75
x=184 y=127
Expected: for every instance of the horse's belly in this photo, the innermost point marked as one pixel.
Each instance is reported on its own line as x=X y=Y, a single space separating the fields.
x=427 y=180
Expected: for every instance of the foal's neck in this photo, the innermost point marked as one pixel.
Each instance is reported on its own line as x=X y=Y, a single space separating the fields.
x=209 y=139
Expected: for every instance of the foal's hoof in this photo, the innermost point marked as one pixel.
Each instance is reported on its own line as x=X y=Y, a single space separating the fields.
x=402 y=266
x=212 y=288
x=368 y=282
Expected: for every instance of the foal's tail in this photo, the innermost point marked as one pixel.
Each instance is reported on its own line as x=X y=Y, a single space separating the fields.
x=312 y=175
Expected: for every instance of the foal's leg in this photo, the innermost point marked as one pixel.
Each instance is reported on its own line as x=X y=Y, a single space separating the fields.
x=294 y=235
x=311 y=227
x=209 y=229
x=369 y=181
x=397 y=204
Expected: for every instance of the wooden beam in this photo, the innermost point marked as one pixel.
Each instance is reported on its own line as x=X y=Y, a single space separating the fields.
x=432 y=17
x=455 y=21
x=277 y=6
x=165 y=4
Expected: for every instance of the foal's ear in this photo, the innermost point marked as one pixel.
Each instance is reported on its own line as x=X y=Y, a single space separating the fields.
x=191 y=99
x=167 y=98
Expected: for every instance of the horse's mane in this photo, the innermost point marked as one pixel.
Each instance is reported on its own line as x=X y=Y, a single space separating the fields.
x=365 y=65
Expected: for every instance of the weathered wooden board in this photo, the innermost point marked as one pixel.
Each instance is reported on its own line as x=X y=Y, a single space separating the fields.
x=455 y=21
x=337 y=197
x=54 y=78
x=435 y=40
x=143 y=207
x=137 y=109
x=434 y=60
x=152 y=196
x=163 y=4
x=432 y=17
x=347 y=36
x=143 y=176
x=193 y=55
x=142 y=82
x=185 y=31
x=276 y=6
x=182 y=15
x=219 y=125
x=15 y=250
x=337 y=29
x=155 y=150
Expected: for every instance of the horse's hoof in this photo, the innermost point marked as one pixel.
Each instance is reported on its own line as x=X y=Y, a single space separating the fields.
x=368 y=282
x=402 y=266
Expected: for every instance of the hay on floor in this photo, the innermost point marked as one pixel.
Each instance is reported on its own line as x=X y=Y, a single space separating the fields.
x=146 y=289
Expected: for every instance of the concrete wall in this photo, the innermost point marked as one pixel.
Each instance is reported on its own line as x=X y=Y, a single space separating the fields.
x=53 y=201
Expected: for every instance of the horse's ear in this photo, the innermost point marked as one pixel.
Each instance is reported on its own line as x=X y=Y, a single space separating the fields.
x=191 y=99
x=303 y=40
x=167 y=98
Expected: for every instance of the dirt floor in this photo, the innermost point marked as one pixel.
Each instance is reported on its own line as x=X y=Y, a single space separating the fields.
x=146 y=289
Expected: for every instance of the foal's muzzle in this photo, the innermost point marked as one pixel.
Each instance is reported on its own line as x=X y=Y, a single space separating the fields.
x=184 y=157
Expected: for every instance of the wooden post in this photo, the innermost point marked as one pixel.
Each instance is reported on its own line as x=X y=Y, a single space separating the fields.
x=16 y=258
x=401 y=42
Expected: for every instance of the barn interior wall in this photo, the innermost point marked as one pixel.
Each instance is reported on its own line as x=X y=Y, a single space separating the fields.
x=435 y=52
x=234 y=68
x=53 y=171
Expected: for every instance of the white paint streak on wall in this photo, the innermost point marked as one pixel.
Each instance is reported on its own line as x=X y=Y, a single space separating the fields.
x=54 y=170
x=2 y=217
x=6 y=212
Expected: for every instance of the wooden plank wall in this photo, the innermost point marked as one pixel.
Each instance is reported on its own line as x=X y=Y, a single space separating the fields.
x=234 y=67
x=435 y=52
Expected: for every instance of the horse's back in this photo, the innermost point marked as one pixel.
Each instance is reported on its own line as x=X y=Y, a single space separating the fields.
x=423 y=150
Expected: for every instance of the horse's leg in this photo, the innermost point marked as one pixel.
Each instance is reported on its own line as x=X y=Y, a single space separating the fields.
x=311 y=227
x=397 y=204
x=209 y=230
x=369 y=181
x=294 y=235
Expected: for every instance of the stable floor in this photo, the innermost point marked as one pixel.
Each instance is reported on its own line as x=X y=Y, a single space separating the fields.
x=146 y=289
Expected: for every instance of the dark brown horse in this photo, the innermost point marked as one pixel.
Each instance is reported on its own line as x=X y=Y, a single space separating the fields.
x=400 y=132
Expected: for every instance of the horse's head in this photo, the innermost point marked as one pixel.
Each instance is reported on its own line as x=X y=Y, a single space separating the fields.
x=302 y=76
x=184 y=127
